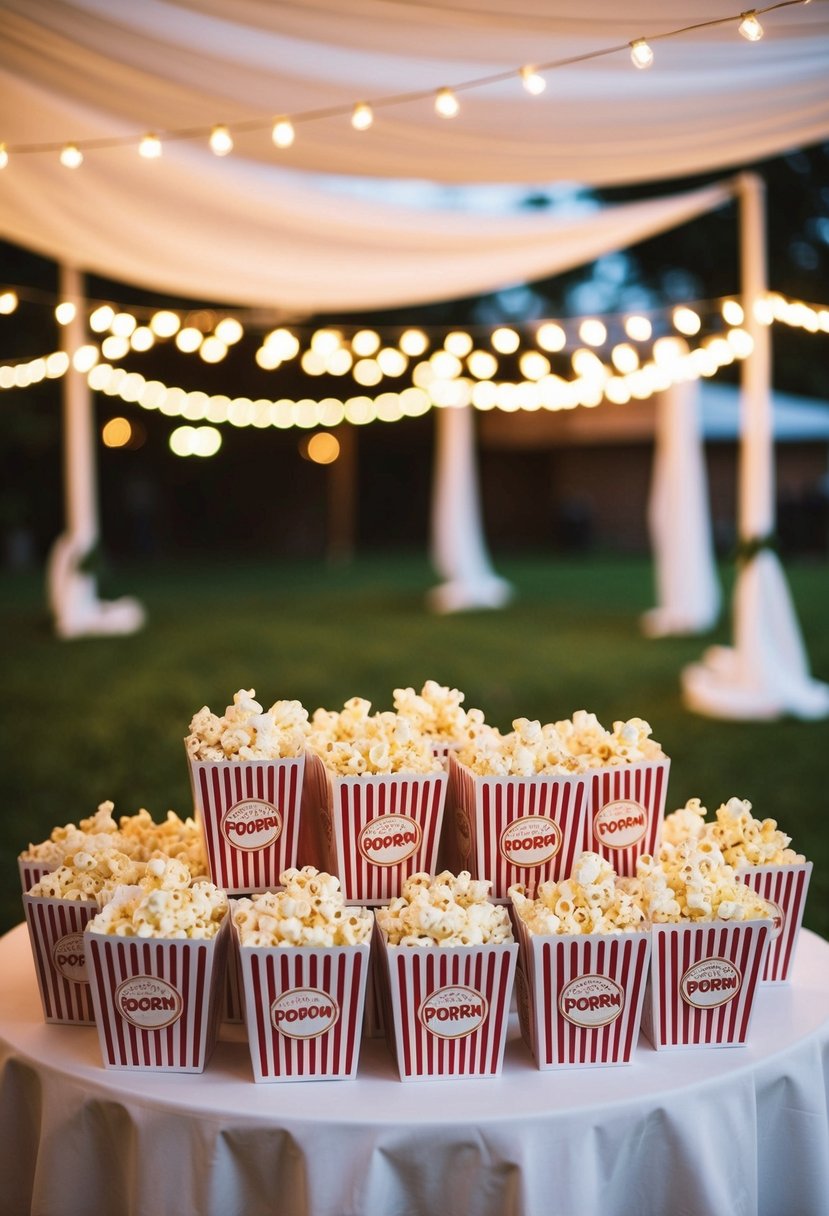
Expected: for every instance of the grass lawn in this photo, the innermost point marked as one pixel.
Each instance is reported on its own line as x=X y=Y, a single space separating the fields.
x=95 y=719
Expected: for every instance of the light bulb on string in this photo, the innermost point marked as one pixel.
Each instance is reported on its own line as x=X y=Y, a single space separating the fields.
x=532 y=81
x=282 y=133
x=221 y=141
x=71 y=156
x=4 y=156
x=750 y=26
x=150 y=147
x=362 y=116
x=641 y=53
x=65 y=312
x=446 y=103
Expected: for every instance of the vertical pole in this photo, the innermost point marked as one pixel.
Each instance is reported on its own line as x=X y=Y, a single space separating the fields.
x=756 y=509
x=79 y=469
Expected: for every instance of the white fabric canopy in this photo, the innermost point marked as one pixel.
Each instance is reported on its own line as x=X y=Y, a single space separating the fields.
x=262 y=227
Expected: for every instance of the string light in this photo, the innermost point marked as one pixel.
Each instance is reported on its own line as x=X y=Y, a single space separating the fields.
x=413 y=342
x=65 y=312
x=362 y=116
x=593 y=332
x=282 y=133
x=229 y=330
x=446 y=103
x=4 y=156
x=641 y=53
x=8 y=302
x=638 y=328
x=164 y=323
x=71 y=156
x=221 y=141
x=750 y=26
x=505 y=341
x=687 y=321
x=532 y=81
x=551 y=337
x=732 y=312
x=365 y=342
x=150 y=147
x=101 y=318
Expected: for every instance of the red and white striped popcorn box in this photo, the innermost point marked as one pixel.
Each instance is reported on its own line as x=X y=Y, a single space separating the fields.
x=625 y=812
x=515 y=829
x=582 y=996
x=31 y=872
x=443 y=749
x=703 y=982
x=157 y=1000
x=249 y=813
x=304 y=1010
x=233 y=994
x=447 y=1010
x=785 y=888
x=56 y=931
x=374 y=1022
x=378 y=829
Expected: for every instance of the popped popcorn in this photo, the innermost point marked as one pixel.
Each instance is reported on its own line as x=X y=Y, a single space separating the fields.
x=447 y=910
x=164 y=903
x=308 y=911
x=585 y=737
x=437 y=712
x=685 y=823
x=248 y=732
x=98 y=831
x=692 y=881
x=742 y=839
x=90 y=876
x=592 y=900
x=529 y=750
x=354 y=741
x=142 y=837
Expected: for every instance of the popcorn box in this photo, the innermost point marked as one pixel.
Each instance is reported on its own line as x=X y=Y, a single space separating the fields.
x=785 y=888
x=625 y=812
x=31 y=872
x=447 y=1010
x=376 y=830
x=249 y=813
x=703 y=982
x=157 y=1000
x=233 y=1009
x=56 y=931
x=304 y=1010
x=515 y=829
x=580 y=996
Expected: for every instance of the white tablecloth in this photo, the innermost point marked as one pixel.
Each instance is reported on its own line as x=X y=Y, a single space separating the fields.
x=700 y=1132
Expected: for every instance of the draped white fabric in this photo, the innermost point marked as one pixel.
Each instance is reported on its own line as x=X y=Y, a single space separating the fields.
x=264 y=227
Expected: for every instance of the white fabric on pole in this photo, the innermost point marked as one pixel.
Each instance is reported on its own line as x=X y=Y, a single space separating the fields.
x=459 y=551
x=73 y=592
x=766 y=673
x=688 y=591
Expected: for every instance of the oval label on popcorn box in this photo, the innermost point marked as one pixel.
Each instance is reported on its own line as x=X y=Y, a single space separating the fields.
x=453 y=1013
x=778 y=919
x=709 y=983
x=304 y=1013
x=530 y=841
x=68 y=958
x=389 y=839
x=620 y=824
x=591 y=1000
x=148 y=1003
x=252 y=824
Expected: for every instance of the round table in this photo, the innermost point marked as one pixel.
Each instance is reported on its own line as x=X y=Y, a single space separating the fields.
x=699 y=1132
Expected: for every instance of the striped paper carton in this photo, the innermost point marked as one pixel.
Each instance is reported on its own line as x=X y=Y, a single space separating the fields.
x=580 y=996
x=233 y=1008
x=785 y=888
x=304 y=1010
x=249 y=813
x=625 y=812
x=56 y=931
x=376 y=830
x=703 y=982
x=447 y=1010
x=31 y=872
x=514 y=829
x=157 y=1000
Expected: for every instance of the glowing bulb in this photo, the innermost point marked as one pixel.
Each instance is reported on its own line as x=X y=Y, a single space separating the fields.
x=313 y=363
x=101 y=318
x=392 y=361
x=65 y=312
x=150 y=147
x=85 y=358
x=550 y=336
x=323 y=448
x=229 y=330
x=750 y=26
x=164 y=324
x=362 y=116
x=413 y=342
x=505 y=341
x=8 y=302
x=641 y=53
x=71 y=156
x=624 y=358
x=338 y=363
x=116 y=433
x=532 y=81
x=367 y=372
x=458 y=343
x=283 y=342
x=283 y=133
x=4 y=156
x=142 y=338
x=326 y=341
x=114 y=347
x=732 y=312
x=365 y=342
x=188 y=339
x=212 y=349
x=592 y=332
x=741 y=342
x=446 y=103
x=638 y=328
x=221 y=141
x=445 y=365
x=687 y=321
x=482 y=364
x=533 y=365
x=122 y=324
